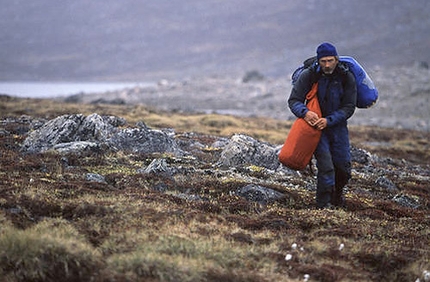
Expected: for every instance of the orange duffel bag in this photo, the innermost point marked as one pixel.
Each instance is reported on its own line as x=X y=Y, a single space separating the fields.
x=302 y=140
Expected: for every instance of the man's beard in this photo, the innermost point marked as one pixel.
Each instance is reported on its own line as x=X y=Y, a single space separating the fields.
x=328 y=70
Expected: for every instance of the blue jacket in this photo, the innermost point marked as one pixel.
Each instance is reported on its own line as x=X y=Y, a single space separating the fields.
x=337 y=94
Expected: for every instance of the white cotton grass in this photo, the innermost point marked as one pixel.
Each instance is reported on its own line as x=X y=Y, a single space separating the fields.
x=306 y=277
x=294 y=247
x=341 y=246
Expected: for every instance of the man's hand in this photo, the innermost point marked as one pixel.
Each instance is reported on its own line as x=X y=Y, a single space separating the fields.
x=311 y=118
x=321 y=123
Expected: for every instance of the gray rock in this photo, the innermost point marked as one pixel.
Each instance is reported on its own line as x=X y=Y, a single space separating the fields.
x=360 y=156
x=143 y=140
x=220 y=143
x=81 y=148
x=164 y=175
x=157 y=166
x=56 y=131
x=260 y=194
x=386 y=183
x=95 y=177
x=406 y=201
x=243 y=150
x=93 y=128
x=81 y=134
x=66 y=129
x=190 y=197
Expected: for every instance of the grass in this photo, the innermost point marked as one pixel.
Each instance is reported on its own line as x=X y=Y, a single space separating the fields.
x=51 y=250
x=55 y=225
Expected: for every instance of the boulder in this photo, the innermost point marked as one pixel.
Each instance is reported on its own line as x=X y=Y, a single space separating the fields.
x=244 y=150
x=67 y=129
x=80 y=134
x=144 y=140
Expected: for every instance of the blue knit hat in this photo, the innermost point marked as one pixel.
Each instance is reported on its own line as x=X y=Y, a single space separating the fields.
x=326 y=50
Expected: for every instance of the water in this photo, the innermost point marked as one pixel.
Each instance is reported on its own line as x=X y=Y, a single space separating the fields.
x=61 y=89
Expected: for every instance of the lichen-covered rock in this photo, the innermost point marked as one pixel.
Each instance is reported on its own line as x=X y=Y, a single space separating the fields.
x=244 y=150
x=56 y=131
x=81 y=134
x=143 y=140
x=67 y=129
x=81 y=148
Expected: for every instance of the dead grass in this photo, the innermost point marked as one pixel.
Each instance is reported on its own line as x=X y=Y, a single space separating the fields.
x=55 y=225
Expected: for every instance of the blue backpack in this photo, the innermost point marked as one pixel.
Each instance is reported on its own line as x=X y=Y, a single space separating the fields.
x=367 y=94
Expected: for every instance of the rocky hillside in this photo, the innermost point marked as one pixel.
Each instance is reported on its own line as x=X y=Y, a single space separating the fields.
x=404 y=97
x=114 y=200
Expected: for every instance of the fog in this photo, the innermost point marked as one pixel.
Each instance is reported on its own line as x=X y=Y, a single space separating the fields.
x=133 y=41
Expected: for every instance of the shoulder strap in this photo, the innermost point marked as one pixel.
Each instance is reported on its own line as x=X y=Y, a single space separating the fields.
x=313 y=92
x=312 y=64
x=343 y=70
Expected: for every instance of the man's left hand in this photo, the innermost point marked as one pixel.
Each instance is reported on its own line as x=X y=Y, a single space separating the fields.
x=321 y=124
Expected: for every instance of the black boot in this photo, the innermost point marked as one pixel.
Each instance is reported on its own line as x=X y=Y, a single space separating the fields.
x=337 y=198
x=341 y=179
x=323 y=200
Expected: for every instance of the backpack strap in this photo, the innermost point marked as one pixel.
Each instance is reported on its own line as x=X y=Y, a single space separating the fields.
x=343 y=69
x=312 y=64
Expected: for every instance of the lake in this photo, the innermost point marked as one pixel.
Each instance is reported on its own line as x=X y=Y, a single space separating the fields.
x=61 y=89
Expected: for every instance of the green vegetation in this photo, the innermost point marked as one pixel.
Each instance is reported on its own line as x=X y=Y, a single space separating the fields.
x=56 y=226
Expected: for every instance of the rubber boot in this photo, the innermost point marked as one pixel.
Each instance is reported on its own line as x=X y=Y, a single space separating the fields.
x=341 y=179
x=337 y=198
x=323 y=199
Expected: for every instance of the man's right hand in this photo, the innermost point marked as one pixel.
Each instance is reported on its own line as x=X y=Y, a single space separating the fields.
x=311 y=118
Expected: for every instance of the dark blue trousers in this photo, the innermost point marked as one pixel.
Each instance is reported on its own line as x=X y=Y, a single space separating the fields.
x=333 y=157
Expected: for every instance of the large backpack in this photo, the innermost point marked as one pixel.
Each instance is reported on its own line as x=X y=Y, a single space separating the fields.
x=367 y=94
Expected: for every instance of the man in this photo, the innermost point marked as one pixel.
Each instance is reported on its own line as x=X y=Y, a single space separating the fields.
x=337 y=95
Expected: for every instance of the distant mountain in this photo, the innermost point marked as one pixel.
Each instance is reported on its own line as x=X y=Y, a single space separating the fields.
x=131 y=40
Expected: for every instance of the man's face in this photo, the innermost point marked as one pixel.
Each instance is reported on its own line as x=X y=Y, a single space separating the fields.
x=328 y=64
